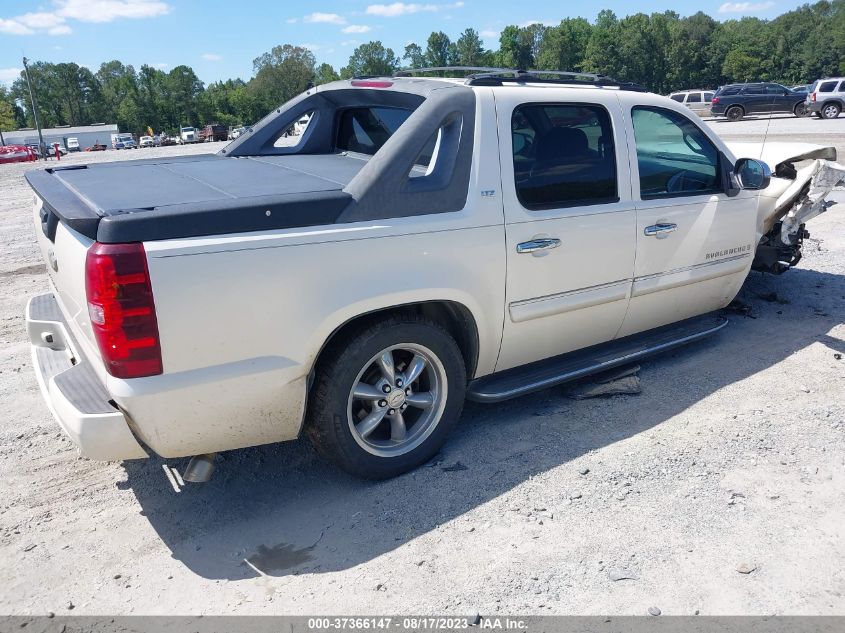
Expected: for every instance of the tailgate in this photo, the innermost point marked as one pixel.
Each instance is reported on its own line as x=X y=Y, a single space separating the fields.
x=64 y=251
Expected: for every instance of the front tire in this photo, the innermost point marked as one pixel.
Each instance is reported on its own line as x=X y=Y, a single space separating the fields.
x=386 y=397
x=734 y=113
x=830 y=110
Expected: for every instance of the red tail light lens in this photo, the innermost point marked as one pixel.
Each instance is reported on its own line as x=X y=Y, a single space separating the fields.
x=813 y=96
x=715 y=100
x=122 y=311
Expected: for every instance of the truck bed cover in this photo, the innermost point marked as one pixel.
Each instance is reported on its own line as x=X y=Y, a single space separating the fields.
x=134 y=200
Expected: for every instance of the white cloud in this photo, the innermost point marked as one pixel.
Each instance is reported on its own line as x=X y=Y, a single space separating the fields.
x=745 y=7
x=357 y=28
x=310 y=46
x=8 y=75
x=324 y=18
x=161 y=65
x=350 y=43
x=13 y=27
x=108 y=10
x=405 y=8
x=211 y=57
x=55 y=22
x=40 y=20
x=292 y=20
x=489 y=34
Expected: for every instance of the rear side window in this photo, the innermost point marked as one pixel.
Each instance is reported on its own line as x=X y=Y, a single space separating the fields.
x=694 y=97
x=674 y=156
x=754 y=89
x=708 y=97
x=366 y=130
x=563 y=155
x=827 y=86
x=729 y=90
x=678 y=98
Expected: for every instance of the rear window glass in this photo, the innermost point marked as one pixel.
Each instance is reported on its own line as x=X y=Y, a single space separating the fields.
x=754 y=89
x=694 y=97
x=678 y=98
x=563 y=155
x=708 y=97
x=729 y=90
x=827 y=86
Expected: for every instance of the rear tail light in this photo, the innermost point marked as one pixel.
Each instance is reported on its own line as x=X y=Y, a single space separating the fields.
x=813 y=96
x=715 y=101
x=122 y=311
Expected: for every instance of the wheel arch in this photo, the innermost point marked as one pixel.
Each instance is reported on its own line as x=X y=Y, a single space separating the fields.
x=453 y=316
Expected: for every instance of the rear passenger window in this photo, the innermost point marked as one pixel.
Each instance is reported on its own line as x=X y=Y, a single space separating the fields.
x=694 y=97
x=678 y=98
x=827 y=86
x=708 y=97
x=563 y=155
x=674 y=156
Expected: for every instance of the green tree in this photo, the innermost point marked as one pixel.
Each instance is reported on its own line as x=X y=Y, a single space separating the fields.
x=438 y=50
x=516 y=48
x=470 y=51
x=602 y=50
x=415 y=55
x=281 y=74
x=371 y=60
x=564 y=46
x=325 y=74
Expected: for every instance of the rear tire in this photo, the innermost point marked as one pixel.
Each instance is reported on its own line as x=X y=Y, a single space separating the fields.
x=386 y=397
x=830 y=110
x=800 y=110
x=734 y=113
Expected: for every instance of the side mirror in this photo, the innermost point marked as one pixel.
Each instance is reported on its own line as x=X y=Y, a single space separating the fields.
x=752 y=174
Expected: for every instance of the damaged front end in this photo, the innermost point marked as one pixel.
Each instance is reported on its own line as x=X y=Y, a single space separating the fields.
x=803 y=176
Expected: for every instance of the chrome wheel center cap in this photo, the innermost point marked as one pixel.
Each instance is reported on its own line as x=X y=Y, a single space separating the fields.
x=396 y=398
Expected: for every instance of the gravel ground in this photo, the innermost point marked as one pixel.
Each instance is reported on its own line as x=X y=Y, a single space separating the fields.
x=720 y=489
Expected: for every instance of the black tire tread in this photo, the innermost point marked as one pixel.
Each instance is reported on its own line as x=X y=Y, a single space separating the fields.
x=325 y=427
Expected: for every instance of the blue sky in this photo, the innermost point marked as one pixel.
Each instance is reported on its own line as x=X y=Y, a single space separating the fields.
x=219 y=39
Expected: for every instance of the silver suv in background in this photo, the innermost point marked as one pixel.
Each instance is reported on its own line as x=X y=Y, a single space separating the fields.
x=696 y=100
x=826 y=98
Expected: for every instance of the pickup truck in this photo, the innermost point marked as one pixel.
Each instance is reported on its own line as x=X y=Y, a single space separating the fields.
x=214 y=132
x=422 y=242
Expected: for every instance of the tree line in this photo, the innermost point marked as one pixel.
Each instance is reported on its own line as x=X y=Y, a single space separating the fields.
x=662 y=51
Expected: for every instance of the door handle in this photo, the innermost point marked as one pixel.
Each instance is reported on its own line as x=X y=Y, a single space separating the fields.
x=540 y=244
x=660 y=230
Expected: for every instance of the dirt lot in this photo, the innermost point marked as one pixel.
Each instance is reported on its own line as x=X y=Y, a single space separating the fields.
x=732 y=459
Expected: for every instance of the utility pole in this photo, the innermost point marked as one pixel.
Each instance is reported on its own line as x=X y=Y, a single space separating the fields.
x=34 y=110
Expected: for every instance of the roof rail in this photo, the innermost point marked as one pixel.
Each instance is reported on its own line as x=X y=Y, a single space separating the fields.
x=408 y=72
x=566 y=77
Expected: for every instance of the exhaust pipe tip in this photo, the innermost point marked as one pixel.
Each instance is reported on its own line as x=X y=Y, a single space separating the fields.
x=200 y=468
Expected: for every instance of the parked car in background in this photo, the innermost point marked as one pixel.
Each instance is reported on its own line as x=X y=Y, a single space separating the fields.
x=235 y=133
x=214 y=132
x=146 y=141
x=735 y=101
x=73 y=144
x=123 y=140
x=804 y=88
x=697 y=100
x=97 y=147
x=826 y=98
x=188 y=135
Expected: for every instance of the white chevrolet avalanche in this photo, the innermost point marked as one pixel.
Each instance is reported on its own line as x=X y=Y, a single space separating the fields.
x=420 y=242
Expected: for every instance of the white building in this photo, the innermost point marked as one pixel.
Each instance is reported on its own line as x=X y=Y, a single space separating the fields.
x=87 y=135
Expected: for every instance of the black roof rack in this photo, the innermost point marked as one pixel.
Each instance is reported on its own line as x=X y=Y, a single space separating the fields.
x=565 y=77
x=491 y=76
x=409 y=72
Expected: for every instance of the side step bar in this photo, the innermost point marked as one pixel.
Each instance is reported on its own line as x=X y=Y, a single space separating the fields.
x=543 y=374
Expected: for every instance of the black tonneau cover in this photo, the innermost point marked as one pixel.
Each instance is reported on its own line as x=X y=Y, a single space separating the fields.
x=135 y=200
